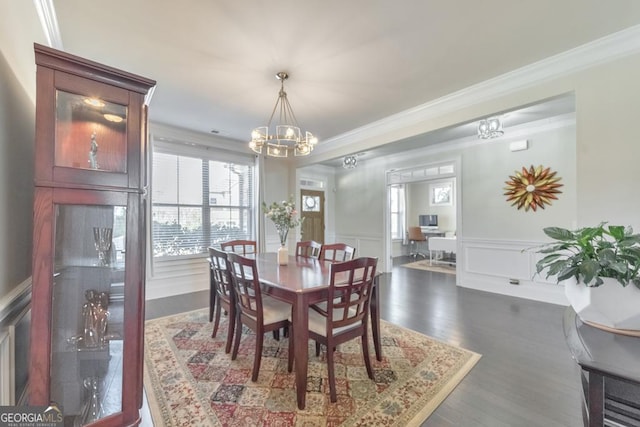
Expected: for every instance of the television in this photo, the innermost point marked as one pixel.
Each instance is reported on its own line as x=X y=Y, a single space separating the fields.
x=430 y=221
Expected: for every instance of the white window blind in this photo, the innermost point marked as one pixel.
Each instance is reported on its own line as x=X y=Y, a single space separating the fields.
x=200 y=197
x=397 y=210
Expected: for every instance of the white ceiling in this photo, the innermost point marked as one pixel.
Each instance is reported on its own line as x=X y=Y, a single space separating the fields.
x=350 y=62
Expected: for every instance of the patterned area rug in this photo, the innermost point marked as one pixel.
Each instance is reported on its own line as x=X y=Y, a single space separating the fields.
x=424 y=265
x=190 y=381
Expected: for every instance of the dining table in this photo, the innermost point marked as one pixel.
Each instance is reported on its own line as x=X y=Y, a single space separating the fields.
x=303 y=282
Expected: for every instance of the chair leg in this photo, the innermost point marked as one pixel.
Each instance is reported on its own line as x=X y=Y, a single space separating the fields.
x=216 y=322
x=236 y=343
x=276 y=335
x=365 y=354
x=231 y=330
x=332 y=376
x=317 y=349
x=257 y=357
x=211 y=302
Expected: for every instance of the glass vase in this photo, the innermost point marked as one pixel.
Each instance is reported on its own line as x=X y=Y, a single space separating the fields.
x=283 y=251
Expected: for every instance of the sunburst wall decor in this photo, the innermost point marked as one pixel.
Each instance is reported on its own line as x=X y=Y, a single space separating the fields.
x=532 y=188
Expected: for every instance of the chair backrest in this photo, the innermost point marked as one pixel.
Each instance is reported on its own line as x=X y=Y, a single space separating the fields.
x=337 y=252
x=415 y=234
x=242 y=247
x=308 y=249
x=350 y=292
x=246 y=284
x=220 y=273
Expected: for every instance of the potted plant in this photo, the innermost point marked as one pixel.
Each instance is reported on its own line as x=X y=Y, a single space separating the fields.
x=600 y=269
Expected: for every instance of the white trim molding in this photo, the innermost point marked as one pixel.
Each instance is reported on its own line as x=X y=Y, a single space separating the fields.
x=49 y=22
x=505 y=267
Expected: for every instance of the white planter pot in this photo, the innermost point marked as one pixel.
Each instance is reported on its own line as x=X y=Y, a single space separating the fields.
x=610 y=305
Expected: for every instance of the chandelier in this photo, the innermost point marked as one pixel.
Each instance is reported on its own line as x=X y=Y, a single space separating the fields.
x=490 y=128
x=285 y=136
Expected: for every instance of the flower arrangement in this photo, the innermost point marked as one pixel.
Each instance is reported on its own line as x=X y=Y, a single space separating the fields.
x=283 y=217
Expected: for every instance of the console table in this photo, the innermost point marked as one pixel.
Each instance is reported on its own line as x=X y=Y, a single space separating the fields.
x=610 y=374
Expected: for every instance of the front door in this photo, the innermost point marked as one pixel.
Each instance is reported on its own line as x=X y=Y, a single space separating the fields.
x=312 y=210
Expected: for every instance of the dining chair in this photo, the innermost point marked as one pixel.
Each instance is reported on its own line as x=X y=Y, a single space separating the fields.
x=308 y=249
x=415 y=237
x=337 y=252
x=260 y=313
x=224 y=294
x=242 y=247
x=345 y=314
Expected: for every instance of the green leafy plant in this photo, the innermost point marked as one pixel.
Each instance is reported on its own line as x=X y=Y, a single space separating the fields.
x=592 y=253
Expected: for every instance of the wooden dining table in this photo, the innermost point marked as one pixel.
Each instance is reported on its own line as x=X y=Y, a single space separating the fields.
x=303 y=282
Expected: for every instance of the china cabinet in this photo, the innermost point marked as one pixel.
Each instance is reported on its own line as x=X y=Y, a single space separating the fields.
x=88 y=240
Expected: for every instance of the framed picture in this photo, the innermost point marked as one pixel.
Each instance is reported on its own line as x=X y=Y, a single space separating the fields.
x=441 y=194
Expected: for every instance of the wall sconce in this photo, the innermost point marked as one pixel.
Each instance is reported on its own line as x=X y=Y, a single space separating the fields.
x=349 y=162
x=490 y=128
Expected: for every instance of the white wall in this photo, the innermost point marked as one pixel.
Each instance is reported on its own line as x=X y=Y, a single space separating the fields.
x=487 y=167
x=419 y=203
x=18 y=24
x=17 y=133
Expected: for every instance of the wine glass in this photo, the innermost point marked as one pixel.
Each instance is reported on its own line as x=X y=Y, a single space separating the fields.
x=102 y=239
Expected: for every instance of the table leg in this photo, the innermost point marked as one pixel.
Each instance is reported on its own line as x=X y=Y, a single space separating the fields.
x=595 y=398
x=374 y=307
x=301 y=342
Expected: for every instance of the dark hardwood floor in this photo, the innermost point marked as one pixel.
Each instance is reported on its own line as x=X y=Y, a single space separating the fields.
x=526 y=376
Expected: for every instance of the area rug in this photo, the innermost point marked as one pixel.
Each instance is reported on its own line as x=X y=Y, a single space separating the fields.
x=189 y=380
x=438 y=267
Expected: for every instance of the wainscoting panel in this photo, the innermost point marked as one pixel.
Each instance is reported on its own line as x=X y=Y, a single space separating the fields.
x=6 y=374
x=177 y=276
x=15 y=322
x=369 y=246
x=505 y=267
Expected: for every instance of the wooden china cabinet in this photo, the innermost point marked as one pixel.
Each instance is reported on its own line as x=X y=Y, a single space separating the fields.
x=88 y=240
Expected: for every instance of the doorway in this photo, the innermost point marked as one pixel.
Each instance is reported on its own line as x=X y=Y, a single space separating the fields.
x=312 y=212
x=415 y=195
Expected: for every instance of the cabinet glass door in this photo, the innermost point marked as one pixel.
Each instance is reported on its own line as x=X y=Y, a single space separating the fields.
x=90 y=133
x=87 y=311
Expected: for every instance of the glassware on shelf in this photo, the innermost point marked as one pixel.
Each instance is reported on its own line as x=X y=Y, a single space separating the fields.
x=102 y=238
x=95 y=315
x=91 y=409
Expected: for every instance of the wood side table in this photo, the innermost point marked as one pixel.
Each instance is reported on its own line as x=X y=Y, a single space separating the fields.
x=610 y=374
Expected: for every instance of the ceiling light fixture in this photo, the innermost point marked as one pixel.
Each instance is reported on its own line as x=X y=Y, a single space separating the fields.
x=349 y=162
x=113 y=118
x=285 y=136
x=94 y=102
x=490 y=128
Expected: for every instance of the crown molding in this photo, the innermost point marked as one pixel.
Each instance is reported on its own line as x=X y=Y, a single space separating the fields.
x=49 y=21
x=603 y=50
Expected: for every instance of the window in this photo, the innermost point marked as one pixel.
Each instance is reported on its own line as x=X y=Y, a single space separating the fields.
x=396 y=209
x=199 y=199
